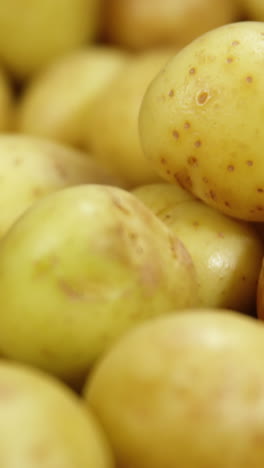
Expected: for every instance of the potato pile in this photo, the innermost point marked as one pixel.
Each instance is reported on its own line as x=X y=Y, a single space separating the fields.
x=131 y=234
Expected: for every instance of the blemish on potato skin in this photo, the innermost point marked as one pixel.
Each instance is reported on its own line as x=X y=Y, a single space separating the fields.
x=18 y=161
x=230 y=168
x=221 y=235
x=235 y=43
x=260 y=190
x=249 y=79
x=227 y=204
x=175 y=134
x=120 y=206
x=202 y=98
x=230 y=60
x=205 y=180
x=192 y=161
x=212 y=194
x=249 y=163
x=171 y=93
x=163 y=161
x=187 y=125
x=192 y=71
x=69 y=290
x=197 y=143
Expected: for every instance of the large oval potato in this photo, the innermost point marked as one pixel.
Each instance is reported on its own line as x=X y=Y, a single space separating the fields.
x=139 y=24
x=184 y=391
x=56 y=103
x=36 y=32
x=44 y=425
x=111 y=131
x=81 y=267
x=6 y=103
x=201 y=120
x=33 y=167
x=227 y=253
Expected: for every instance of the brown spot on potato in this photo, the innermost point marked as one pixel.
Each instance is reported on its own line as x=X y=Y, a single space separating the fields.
x=163 y=161
x=212 y=194
x=227 y=204
x=260 y=190
x=260 y=207
x=235 y=43
x=192 y=71
x=18 y=161
x=37 y=192
x=230 y=167
x=205 y=180
x=196 y=224
x=192 y=161
x=69 y=290
x=168 y=172
x=249 y=163
x=202 y=97
x=120 y=206
x=171 y=93
x=187 y=124
x=229 y=59
x=175 y=134
x=197 y=143
x=249 y=79
x=221 y=235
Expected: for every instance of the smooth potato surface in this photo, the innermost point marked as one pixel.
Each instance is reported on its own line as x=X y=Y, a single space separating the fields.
x=201 y=120
x=185 y=390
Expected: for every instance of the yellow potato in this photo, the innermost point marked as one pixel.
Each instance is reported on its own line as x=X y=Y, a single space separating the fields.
x=6 y=103
x=201 y=120
x=56 y=102
x=35 y=32
x=44 y=425
x=111 y=132
x=254 y=9
x=146 y=23
x=184 y=391
x=81 y=267
x=227 y=254
x=33 y=167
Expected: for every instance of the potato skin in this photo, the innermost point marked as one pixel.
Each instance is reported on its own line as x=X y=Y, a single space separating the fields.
x=86 y=264
x=43 y=424
x=201 y=120
x=184 y=390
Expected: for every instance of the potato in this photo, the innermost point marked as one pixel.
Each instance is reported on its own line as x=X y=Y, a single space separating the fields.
x=44 y=425
x=56 y=102
x=33 y=167
x=227 y=254
x=184 y=391
x=6 y=103
x=81 y=267
x=111 y=132
x=254 y=9
x=34 y=33
x=201 y=120
x=139 y=24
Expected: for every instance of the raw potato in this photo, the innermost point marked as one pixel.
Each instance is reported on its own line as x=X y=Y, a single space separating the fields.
x=111 y=132
x=36 y=32
x=79 y=269
x=6 y=103
x=184 y=391
x=33 y=167
x=44 y=425
x=139 y=24
x=55 y=104
x=254 y=9
x=201 y=120
x=227 y=253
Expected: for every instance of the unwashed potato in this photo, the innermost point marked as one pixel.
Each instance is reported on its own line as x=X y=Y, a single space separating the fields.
x=33 y=167
x=139 y=24
x=184 y=391
x=254 y=9
x=36 y=32
x=81 y=267
x=201 y=120
x=6 y=103
x=56 y=102
x=111 y=129
x=44 y=425
x=227 y=254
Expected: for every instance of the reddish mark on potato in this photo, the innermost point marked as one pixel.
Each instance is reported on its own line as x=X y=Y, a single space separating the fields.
x=260 y=190
x=260 y=207
x=168 y=172
x=230 y=167
x=249 y=163
x=229 y=59
x=171 y=93
x=69 y=290
x=198 y=143
x=227 y=204
x=120 y=206
x=163 y=161
x=175 y=134
x=212 y=194
x=205 y=180
x=202 y=97
x=235 y=43
x=192 y=161
x=221 y=234
x=196 y=224
x=192 y=71
x=187 y=125
x=249 y=79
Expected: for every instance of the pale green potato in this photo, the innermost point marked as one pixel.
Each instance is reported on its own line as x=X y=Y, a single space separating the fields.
x=55 y=104
x=227 y=253
x=44 y=425
x=36 y=32
x=201 y=120
x=111 y=129
x=33 y=167
x=81 y=267
x=184 y=391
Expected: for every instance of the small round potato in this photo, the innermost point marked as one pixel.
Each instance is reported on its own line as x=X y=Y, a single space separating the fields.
x=139 y=24
x=30 y=168
x=201 y=120
x=36 y=32
x=227 y=253
x=56 y=103
x=184 y=391
x=44 y=425
x=80 y=268
x=111 y=131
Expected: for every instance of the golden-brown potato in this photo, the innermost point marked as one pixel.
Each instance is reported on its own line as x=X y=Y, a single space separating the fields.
x=111 y=131
x=36 y=32
x=201 y=120
x=227 y=253
x=56 y=103
x=139 y=24
x=184 y=391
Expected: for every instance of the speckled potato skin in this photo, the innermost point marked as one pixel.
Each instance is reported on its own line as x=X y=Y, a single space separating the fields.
x=35 y=33
x=201 y=120
x=185 y=390
x=30 y=168
x=111 y=131
x=44 y=425
x=227 y=253
x=57 y=102
x=79 y=269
